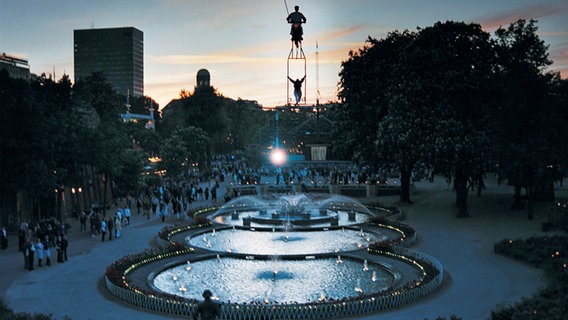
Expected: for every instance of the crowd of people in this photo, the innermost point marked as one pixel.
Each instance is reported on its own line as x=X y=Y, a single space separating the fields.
x=171 y=200
x=106 y=226
x=173 y=197
x=37 y=242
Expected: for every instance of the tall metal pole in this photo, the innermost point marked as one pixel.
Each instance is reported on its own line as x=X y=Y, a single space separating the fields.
x=317 y=75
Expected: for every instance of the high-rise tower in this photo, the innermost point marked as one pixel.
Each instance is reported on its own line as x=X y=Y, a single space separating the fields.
x=116 y=52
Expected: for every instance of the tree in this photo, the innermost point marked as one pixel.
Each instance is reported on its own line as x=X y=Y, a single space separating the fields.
x=149 y=140
x=128 y=178
x=196 y=142
x=54 y=134
x=364 y=82
x=421 y=98
x=37 y=138
x=230 y=125
x=530 y=114
x=106 y=139
x=453 y=66
x=16 y=139
x=143 y=105
x=185 y=147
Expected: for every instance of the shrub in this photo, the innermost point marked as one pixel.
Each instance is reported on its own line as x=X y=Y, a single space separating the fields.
x=548 y=253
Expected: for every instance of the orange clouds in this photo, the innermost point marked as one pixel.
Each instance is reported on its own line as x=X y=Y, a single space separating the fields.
x=527 y=13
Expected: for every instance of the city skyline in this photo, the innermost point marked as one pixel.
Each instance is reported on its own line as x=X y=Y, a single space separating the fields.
x=245 y=44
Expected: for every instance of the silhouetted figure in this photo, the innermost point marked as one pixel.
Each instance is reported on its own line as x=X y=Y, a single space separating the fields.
x=296 y=19
x=297 y=88
x=207 y=309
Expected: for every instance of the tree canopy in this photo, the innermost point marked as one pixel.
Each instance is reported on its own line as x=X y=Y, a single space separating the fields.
x=442 y=97
x=229 y=124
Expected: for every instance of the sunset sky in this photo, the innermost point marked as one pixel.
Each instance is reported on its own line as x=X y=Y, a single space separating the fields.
x=244 y=44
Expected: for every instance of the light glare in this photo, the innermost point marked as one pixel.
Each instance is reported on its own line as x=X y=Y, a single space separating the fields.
x=277 y=157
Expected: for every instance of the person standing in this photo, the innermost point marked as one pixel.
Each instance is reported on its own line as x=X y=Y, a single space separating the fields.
x=22 y=236
x=120 y=215
x=147 y=205
x=59 y=250
x=154 y=204
x=117 y=226
x=163 y=211
x=64 y=246
x=214 y=194
x=30 y=253
x=4 y=238
x=103 y=230
x=110 y=227
x=138 y=204
x=127 y=215
x=207 y=309
x=39 y=250
x=47 y=244
x=83 y=220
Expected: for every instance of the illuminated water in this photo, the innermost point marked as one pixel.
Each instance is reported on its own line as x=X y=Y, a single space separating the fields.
x=281 y=242
x=279 y=226
x=245 y=281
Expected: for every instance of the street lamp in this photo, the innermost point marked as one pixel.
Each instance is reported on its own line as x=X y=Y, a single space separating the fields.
x=277 y=157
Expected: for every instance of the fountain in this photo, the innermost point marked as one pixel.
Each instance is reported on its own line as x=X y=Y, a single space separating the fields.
x=292 y=210
x=286 y=251
x=286 y=242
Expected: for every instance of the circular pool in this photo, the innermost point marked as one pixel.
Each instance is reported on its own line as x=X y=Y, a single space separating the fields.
x=275 y=280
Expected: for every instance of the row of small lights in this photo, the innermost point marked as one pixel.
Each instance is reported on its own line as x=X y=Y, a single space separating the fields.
x=181 y=229
x=386 y=226
x=407 y=259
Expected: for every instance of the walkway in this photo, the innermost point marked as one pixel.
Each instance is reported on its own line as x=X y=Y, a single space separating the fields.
x=479 y=280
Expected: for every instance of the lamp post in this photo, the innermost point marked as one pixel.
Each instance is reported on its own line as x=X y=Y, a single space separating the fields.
x=277 y=155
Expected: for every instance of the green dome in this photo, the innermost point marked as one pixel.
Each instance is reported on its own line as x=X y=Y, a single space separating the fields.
x=203 y=73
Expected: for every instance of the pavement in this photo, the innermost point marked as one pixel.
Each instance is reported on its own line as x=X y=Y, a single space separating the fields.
x=477 y=280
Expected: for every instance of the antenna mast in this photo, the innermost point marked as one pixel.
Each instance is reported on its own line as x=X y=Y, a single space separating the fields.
x=317 y=75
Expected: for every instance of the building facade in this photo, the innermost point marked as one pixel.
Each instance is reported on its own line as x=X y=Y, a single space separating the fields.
x=116 y=52
x=17 y=68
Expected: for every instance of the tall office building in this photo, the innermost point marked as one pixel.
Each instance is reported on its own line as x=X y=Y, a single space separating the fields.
x=116 y=52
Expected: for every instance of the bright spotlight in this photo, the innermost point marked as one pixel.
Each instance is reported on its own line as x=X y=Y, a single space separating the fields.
x=277 y=157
